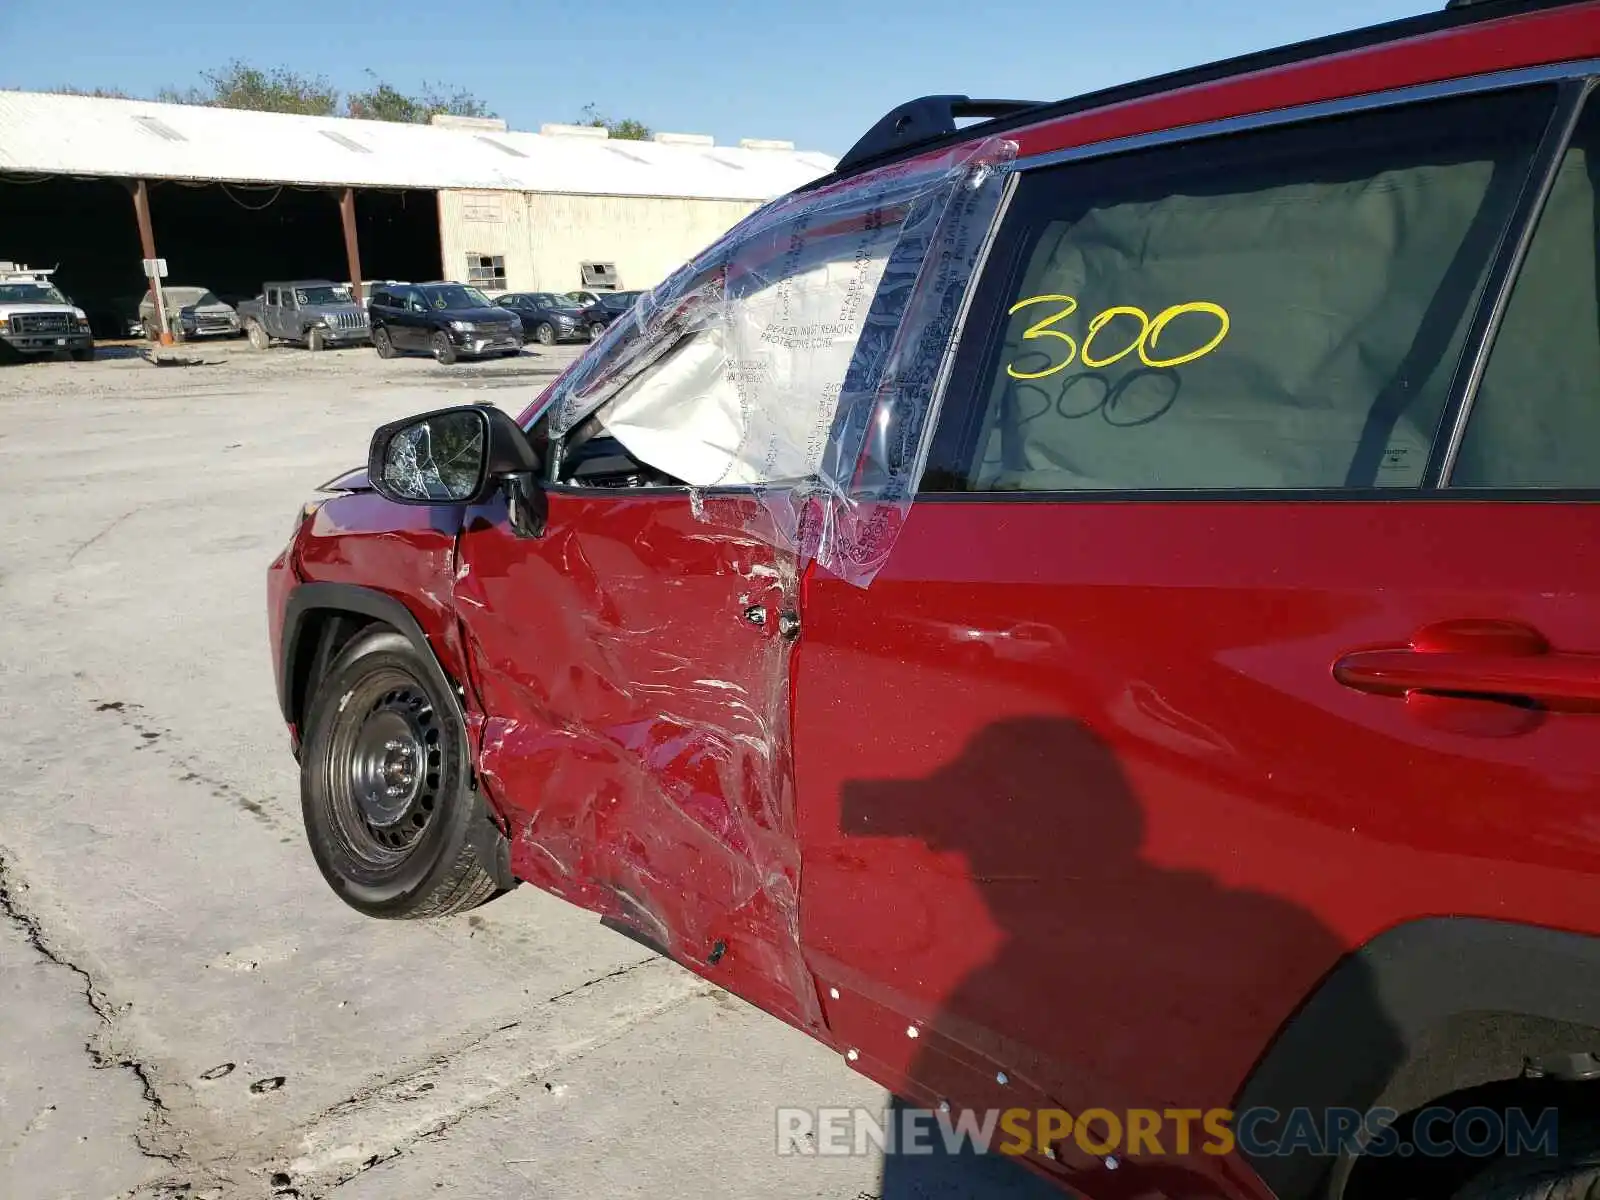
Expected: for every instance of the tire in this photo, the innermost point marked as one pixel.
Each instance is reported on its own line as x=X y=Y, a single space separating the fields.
x=596 y=331
x=385 y=750
x=544 y=333
x=257 y=335
x=316 y=340
x=444 y=350
x=382 y=342
x=83 y=355
x=1573 y=1173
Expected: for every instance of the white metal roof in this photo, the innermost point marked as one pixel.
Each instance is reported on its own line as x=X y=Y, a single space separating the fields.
x=86 y=135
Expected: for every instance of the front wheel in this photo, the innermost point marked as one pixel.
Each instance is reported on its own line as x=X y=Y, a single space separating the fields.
x=382 y=343
x=544 y=333
x=316 y=339
x=595 y=331
x=257 y=335
x=444 y=350
x=394 y=821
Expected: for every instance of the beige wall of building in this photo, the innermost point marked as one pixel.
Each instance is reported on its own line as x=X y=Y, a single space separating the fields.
x=543 y=237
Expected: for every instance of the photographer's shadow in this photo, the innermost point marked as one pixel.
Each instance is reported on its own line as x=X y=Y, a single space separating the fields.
x=1158 y=986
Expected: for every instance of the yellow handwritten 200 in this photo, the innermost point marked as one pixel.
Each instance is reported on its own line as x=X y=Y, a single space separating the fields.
x=1150 y=329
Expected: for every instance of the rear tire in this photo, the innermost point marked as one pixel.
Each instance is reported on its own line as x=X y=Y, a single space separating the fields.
x=257 y=335
x=382 y=343
x=316 y=340
x=444 y=350
x=395 y=823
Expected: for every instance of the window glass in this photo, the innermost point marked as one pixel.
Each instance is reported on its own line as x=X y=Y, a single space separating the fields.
x=453 y=296
x=1280 y=309
x=486 y=270
x=695 y=399
x=1536 y=420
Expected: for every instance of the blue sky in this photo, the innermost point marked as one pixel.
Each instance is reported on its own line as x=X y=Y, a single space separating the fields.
x=818 y=73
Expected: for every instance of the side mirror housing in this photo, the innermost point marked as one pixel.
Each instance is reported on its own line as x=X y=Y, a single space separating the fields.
x=461 y=455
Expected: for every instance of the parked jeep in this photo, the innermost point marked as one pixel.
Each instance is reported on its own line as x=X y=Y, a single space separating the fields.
x=36 y=318
x=1093 y=615
x=313 y=313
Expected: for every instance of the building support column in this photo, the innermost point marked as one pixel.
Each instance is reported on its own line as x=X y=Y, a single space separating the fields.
x=147 y=243
x=352 y=250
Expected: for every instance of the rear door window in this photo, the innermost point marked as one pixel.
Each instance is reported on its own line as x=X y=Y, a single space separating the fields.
x=1535 y=422
x=1281 y=309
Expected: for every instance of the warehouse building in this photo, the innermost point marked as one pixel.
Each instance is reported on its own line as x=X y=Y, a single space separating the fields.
x=230 y=198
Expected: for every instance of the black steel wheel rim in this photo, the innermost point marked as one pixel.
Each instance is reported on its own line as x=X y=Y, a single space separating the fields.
x=386 y=767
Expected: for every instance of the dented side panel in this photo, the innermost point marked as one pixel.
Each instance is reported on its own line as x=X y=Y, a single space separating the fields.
x=634 y=667
x=364 y=540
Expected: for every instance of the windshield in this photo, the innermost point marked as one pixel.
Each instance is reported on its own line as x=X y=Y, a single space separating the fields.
x=187 y=296
x=30 y=293
x=322 y=295
x=455 y=296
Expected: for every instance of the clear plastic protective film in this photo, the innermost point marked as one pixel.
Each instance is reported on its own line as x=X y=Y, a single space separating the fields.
x=800 y=358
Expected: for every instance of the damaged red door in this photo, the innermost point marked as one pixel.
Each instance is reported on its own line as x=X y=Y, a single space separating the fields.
x=633 y=672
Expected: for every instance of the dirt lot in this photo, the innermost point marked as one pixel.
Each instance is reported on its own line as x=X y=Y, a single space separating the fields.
x=185 y=1008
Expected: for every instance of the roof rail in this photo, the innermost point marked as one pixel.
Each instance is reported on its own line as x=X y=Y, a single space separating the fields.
x=924 y=119
x=882 y=143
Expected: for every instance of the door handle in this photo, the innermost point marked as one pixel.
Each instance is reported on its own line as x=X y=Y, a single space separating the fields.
x=1485 y=660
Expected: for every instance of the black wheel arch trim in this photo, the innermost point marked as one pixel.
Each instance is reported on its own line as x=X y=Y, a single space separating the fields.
x=494 y=851
x=307 y=598
x=1366 y=1027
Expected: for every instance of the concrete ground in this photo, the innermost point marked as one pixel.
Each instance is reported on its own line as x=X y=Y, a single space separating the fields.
x=185 y=1008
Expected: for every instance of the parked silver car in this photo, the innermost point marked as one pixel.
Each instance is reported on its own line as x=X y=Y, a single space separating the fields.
x=192 y=312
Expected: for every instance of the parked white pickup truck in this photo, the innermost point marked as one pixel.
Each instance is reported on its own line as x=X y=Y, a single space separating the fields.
x=36 y=319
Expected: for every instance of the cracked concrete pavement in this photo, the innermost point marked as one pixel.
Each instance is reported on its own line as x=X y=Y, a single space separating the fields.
x=188 y=1010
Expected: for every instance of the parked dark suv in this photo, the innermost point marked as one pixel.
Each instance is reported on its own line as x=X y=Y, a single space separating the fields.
x=447 y=320
x=602 y=308
x=1093 y=615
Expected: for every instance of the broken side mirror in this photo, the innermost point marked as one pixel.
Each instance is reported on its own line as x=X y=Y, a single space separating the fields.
x=461 y=455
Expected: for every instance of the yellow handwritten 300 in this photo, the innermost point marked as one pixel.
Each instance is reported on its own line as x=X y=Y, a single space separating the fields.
x=1150 y=330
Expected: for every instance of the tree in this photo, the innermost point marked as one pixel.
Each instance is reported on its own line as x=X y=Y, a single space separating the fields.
x=383 y=102
x=99 y=93
x=627 y=129
x=239 y=85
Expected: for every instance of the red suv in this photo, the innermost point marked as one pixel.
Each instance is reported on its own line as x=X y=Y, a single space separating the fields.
x=1084 y=613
